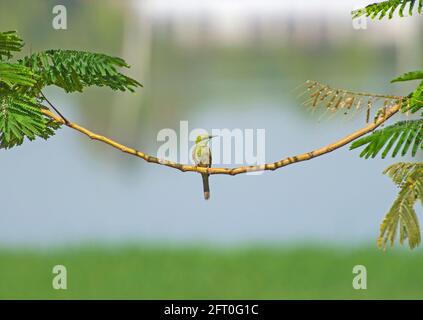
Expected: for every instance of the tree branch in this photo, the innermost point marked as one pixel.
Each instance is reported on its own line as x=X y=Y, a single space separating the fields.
x=233 y=171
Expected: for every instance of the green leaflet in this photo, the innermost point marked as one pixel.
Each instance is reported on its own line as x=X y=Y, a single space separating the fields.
x=76 y=70
x=15 y=74
x=414 y=102
x=402 y=216
x=9 y=43
x=20 y=117
x=388 y=8
x=20 y=114
x=406 y=136
x=21 y=84
x=413 y=75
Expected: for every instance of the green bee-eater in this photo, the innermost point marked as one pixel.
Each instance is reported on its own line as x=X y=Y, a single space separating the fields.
x=202 y=157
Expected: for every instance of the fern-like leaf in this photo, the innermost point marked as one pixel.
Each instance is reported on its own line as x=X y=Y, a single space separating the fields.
x=12 y=75
x=9 y=43
x=402 y=216
x=20 y=117
x=413 y=75
x=402 y=136
x=75 y=70
x=414 y=102
x=388 y=8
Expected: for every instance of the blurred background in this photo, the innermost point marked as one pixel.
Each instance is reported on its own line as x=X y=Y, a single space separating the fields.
x=128 y=229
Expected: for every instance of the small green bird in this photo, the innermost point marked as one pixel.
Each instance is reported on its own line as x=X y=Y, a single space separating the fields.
x=202 y=157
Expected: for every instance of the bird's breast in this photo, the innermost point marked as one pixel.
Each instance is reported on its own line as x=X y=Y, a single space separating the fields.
x=201 y=155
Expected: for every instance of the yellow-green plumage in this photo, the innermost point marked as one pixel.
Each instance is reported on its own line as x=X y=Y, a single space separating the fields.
x=201 y=155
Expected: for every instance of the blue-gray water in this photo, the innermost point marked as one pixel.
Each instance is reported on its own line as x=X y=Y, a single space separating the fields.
x=58 y=193
x=72 y=190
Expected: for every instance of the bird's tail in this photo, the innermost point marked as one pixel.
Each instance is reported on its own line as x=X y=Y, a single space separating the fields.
x=206 y=186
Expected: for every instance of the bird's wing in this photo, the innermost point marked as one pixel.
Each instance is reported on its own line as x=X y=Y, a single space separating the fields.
x=194 y=156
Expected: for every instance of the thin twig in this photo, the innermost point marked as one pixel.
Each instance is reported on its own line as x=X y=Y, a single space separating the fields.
x=66 y=121
x=233 y=171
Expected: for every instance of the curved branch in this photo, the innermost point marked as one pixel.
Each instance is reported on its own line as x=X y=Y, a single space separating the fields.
x=233 y=171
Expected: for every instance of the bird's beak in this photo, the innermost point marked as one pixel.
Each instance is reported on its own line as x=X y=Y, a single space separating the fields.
x=211 y=137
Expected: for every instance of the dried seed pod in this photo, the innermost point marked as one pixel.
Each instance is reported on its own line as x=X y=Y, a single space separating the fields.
x=316 y=98
x=332 y=100
x=359 y=103
x=327 y=92
x=349 y=102
x=339 y=102
x=369 y=106
x=336 y=99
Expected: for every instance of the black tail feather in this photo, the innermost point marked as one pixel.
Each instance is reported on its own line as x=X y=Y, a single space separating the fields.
x=206 y=186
